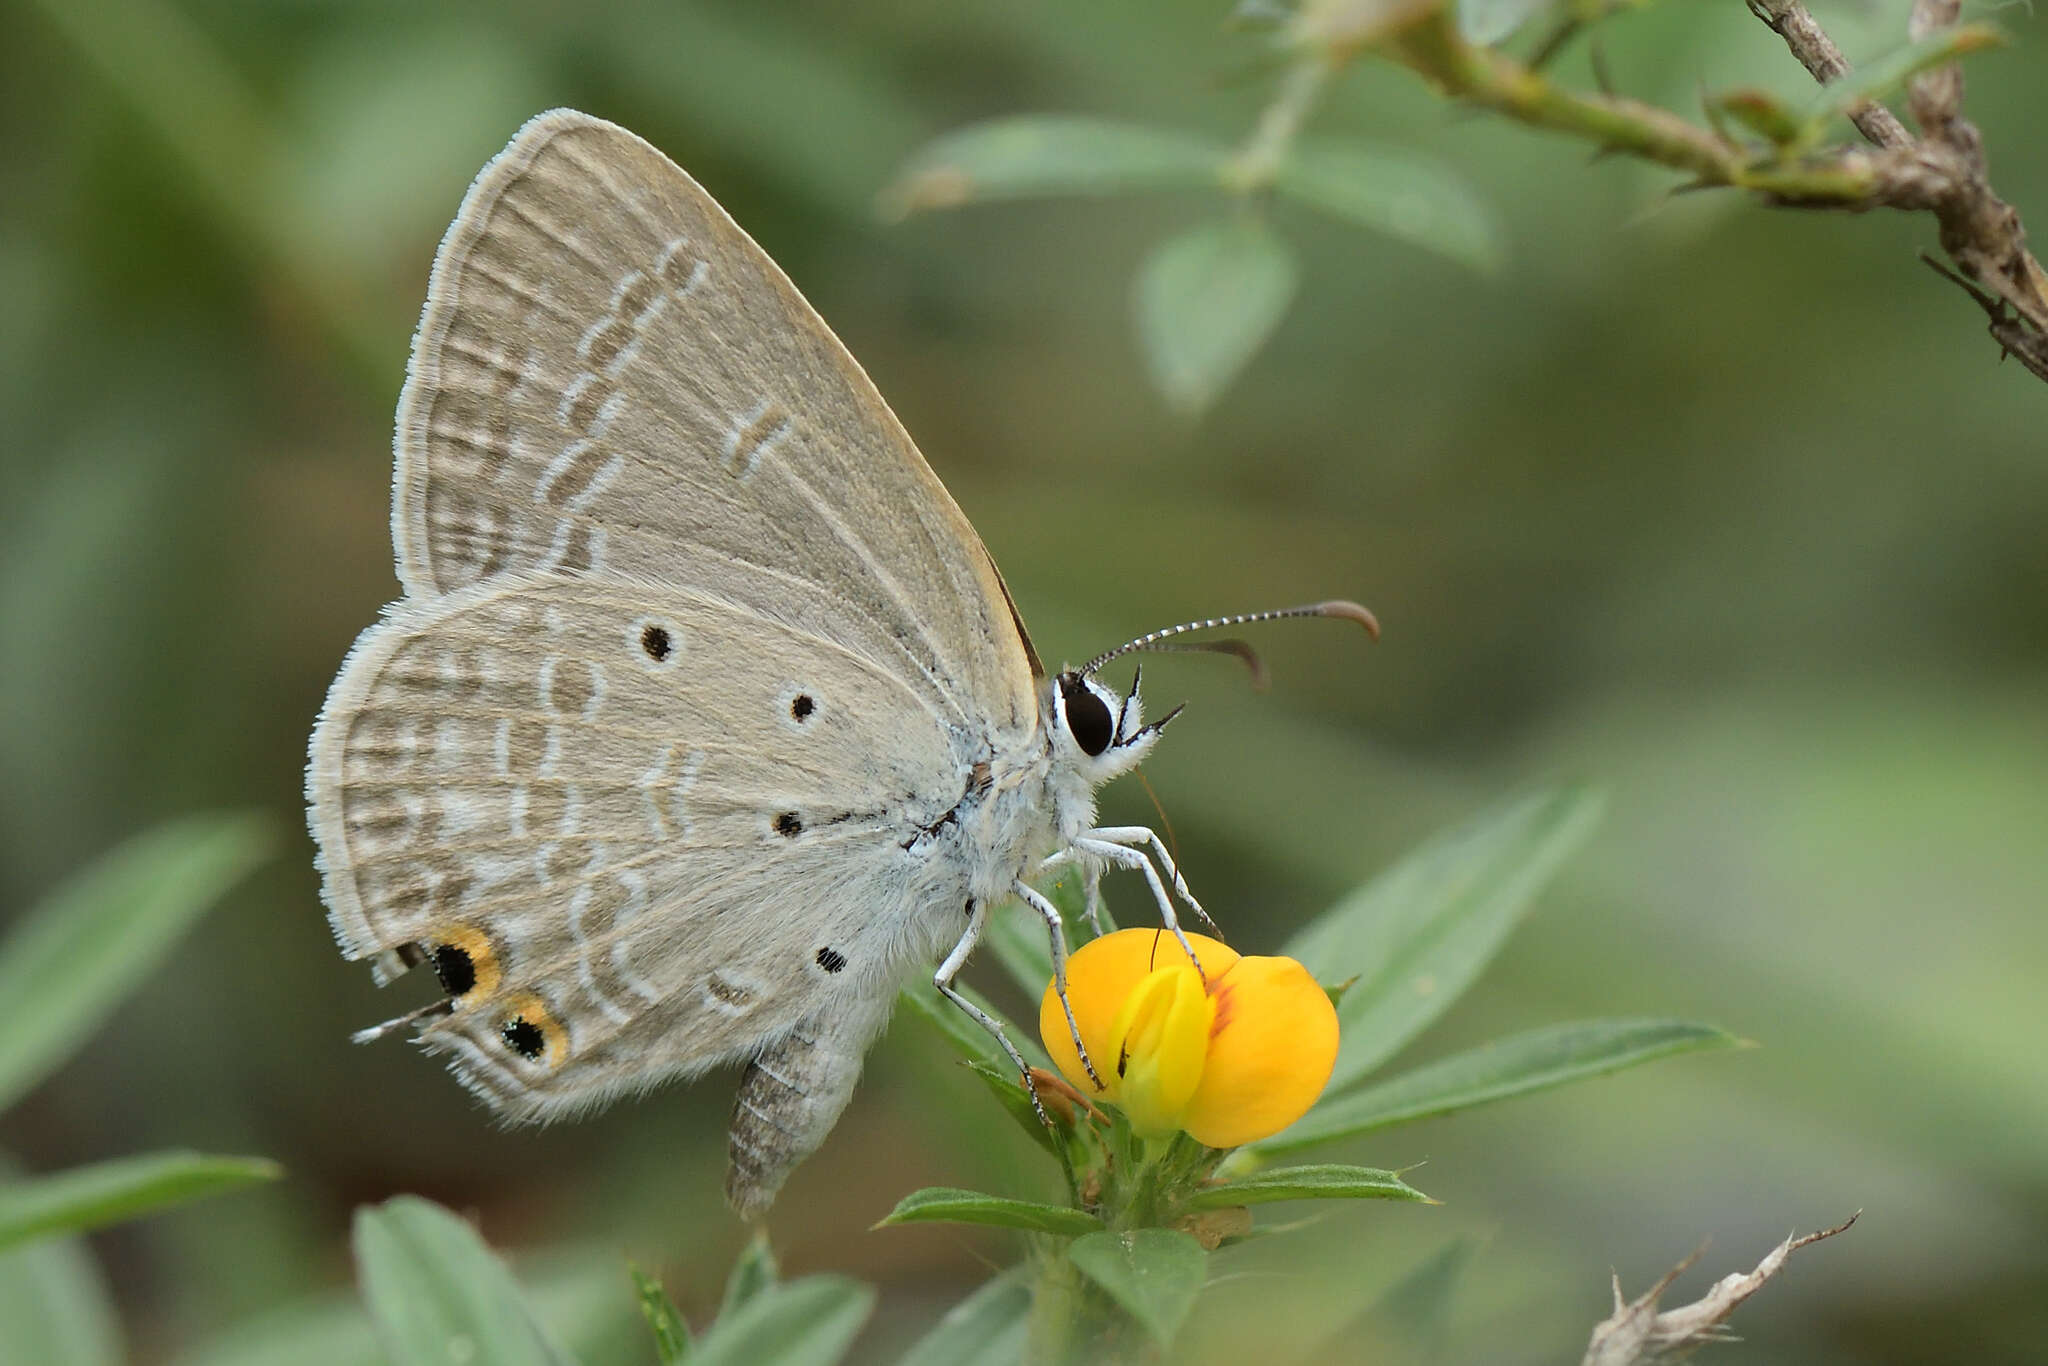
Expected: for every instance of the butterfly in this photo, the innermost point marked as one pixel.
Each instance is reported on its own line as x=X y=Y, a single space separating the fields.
x=705 y=717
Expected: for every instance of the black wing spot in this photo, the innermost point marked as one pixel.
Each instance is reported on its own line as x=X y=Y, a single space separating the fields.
x=789 y=825
x=655 y=640
x=455 y=968
x=524 y=1037
x=832 y=960
x=801 y=707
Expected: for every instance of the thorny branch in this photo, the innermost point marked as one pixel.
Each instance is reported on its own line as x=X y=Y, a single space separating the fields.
x=1980 y=232
x=1638 y=1332
x=1942 y=171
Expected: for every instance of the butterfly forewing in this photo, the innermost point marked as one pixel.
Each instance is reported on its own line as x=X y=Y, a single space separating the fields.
x=612 y=379
x=658 y=826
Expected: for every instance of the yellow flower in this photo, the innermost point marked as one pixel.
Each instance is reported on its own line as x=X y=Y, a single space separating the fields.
x=1233 y=1058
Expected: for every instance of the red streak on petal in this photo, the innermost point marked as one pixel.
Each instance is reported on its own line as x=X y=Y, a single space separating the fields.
x=1220 y=991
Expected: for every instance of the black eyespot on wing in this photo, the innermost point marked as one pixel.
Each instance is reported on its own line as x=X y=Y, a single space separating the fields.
x=523 y=1037
x=656 y=642
x=455 y=968
x=789 y=825
x=832 y=960
x=1088 y=718
x=801 y=707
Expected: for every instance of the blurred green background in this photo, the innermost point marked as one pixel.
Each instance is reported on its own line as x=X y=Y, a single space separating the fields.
x=1730 y=510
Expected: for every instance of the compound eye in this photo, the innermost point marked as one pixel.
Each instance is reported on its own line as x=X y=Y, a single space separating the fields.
x=1088 y=718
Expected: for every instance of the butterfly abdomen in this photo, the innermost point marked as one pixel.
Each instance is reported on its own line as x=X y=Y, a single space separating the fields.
x=792 y=1095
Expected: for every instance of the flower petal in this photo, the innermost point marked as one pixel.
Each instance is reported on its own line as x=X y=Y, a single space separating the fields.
x=1162 y=1041
x=1101 y=975
x=1271 y=1050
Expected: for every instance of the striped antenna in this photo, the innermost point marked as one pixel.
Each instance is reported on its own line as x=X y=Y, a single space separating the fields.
x=1349 y=611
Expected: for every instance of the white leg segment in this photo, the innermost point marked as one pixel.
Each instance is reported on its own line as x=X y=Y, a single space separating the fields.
x=1056 y=931
x=1124 y=857
x=977 y=921
x=1091 y=886
x=1144 y=835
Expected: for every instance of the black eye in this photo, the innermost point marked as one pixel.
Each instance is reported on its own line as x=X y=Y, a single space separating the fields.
x=1088 y=718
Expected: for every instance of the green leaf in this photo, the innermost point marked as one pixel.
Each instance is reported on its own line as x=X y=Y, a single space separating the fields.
x=1019 y=941
x=1402 y=195
x=946 y=1205
x=808 y=1322
x=1889 y=73
x=1517 y=1066
x=664 y=1320
x=1419 y=934
x=438 y=1295
x=1003 y=1084
x=1153 y=1273
x=973 y=1042
x=1322 y=1181
x=754 y=1271
x=74 y=958
x=985 y=1329
x=1487 y=22
x=1206 y=301
x=1050 y=154
x=54 y=1305
x=103 y=1193
x=1760 y=112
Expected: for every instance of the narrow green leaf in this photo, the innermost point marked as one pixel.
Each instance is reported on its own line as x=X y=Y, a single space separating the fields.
x=74 y=958
x=1205 y=302
x=438 y=1295
x=1050 y=154
x=1889 y=73
x=1153 y=1273
x=1420 y=202
x=1322 y=1181
x=1516 y=1066
x=1419 y=934
x=1010 y=1094
x=1020 y=942
x=985 y=1329
x=754 y=1271
x=1487 y=22
x=1761 y=112
x=807 y=1322
x=946 y=1205
x=55 y=1309
x=664 y=1320
x=973 y=1042
x=91 y=1197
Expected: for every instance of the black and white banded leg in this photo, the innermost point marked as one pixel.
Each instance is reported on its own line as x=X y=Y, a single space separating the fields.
x=977 y=921
x=1057 y=933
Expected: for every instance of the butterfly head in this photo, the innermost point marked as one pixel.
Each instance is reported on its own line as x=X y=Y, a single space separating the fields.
x=1101 y=733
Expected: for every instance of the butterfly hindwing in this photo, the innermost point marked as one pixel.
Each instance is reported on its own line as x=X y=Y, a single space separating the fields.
x=646 y=828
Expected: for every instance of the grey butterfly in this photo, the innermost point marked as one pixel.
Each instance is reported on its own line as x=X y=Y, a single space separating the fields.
x=705 y=716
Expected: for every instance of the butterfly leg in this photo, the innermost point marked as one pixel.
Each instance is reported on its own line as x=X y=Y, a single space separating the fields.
x=1139 y=834
x=977 y=920
x=1122 y=857
x=1056 y=930
x=1091 y=885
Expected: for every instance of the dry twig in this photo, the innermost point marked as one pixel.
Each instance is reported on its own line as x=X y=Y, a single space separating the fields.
x=1638 y=1332
x=1943 y=171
